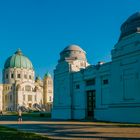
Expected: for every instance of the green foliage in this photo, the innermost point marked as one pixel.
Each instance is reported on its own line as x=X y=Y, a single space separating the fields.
x=30 y=114
x=13 y=134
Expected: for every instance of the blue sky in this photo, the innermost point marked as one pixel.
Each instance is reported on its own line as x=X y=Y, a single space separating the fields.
x=42 y=28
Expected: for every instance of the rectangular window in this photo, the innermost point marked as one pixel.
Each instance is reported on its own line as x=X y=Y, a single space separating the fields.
x=77 y=86
x=18 y=76
x=49 y=82
x=49 y=91
x=6 y=98
x=30 y=77
x=24 y=97
x=50 y=99
x=29 y=97
x=90 y=82
x=25 y=76
x=35 y=98
x=10 y=98
x=105 y=82
x=12 y=75
x=6 y=76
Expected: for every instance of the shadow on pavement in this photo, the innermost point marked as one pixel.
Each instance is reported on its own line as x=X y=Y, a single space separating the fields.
x=69 y=131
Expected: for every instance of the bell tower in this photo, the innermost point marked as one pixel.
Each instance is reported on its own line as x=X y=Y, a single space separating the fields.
x=47 y=91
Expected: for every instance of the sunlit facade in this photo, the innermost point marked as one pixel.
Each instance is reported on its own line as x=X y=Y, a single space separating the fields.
x=105 y=91
x=20 y=88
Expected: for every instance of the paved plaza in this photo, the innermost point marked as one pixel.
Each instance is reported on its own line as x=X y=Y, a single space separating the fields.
x=74 y=130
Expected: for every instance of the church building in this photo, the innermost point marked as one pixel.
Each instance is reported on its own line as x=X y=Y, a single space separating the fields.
x=20 y=89
x=105 y=91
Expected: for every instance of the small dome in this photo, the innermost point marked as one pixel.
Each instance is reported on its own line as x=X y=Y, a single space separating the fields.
x=18 y=60
x=37 y=78
x=73 y=52
x=73 y=48
x=47 y=75
x=131 y=25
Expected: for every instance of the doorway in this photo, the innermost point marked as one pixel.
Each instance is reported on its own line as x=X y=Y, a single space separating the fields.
x=90 y=104
x=30 y=105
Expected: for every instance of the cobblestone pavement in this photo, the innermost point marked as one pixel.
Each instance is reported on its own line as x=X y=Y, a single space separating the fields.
x=76 y=130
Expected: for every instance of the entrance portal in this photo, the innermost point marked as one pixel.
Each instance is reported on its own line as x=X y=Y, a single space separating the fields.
x=30 y=105
x=90 y=104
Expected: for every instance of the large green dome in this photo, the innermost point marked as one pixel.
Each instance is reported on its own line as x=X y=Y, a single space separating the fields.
x=18 y=60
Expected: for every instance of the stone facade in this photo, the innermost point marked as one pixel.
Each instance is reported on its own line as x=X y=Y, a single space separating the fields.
x=47 y=88
x=1 y=97
x=106 y=91
x=19 y=89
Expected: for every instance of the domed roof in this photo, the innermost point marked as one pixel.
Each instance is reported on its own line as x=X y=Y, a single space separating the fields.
x=38 y=78
x=18 y=60
x=131 y=25
x=73 y=48
x=72 y=52
x=47 y=75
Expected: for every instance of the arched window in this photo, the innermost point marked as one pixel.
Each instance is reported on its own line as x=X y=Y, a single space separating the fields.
x=27 y=88
x=18 y=76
